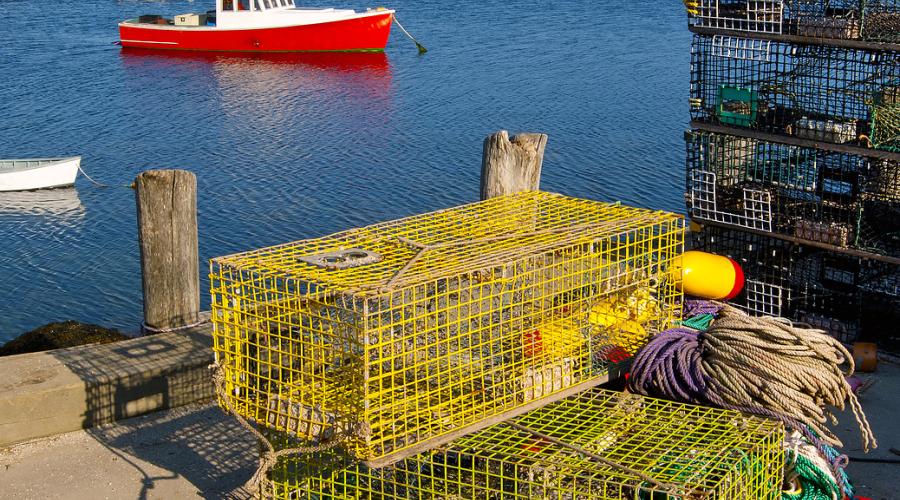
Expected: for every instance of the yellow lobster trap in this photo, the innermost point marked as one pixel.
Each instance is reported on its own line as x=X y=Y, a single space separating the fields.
x=597 y=445
x=396 y=337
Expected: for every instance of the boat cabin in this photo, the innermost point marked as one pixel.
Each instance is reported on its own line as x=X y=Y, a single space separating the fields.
x=271 y=13
x=252 y=5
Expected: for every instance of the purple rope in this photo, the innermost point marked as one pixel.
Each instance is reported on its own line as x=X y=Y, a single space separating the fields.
x=670 y=366
x=695 y=307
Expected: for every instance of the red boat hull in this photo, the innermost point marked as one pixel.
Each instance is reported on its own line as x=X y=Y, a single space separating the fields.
x=369 y=33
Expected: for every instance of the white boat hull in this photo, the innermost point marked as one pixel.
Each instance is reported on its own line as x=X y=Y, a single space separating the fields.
x=44 y=174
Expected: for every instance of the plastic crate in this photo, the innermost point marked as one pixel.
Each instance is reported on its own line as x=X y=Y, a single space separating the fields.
x=841 y=199
x=703 y=453
x=813 y=92
x=849 y=297
x=872 y=20
x=402 y=335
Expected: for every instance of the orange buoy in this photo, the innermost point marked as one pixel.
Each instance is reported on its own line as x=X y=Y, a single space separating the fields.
x=865 y=356
x=708 y=275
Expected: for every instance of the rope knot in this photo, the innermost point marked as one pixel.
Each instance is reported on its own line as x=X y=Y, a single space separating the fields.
x=267 y=461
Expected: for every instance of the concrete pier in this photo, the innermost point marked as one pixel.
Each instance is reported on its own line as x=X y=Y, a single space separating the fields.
x=197 y=451
x=52 y=392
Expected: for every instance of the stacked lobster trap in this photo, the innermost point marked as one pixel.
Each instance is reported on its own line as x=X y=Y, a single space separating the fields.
x=874 y=21
x=844 y=294
x=814 y=92
x=836 y=198
x=454 y=355
x=399 y=335
x=570 y=449
x=793 y=157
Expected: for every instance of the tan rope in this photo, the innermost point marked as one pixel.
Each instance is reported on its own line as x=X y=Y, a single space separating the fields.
x=792 y=371
x=668 y=487
x=269 y=457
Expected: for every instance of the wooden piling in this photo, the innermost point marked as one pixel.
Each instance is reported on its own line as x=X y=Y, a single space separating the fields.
x=167 y=234
x=511 y=165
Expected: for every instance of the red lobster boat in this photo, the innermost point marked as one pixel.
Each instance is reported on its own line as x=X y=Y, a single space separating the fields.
x=262 y=26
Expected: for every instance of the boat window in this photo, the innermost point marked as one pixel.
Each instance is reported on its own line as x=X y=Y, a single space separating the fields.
x=256 y=5
x=266 y=2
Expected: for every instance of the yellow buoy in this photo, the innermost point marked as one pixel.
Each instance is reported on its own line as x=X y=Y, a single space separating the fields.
x=708 y=275
x=606 y=313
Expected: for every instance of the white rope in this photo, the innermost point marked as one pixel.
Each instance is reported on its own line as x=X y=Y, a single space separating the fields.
x=98 y=184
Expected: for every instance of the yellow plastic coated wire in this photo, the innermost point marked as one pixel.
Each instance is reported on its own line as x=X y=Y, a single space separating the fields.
x=597 y=445
x=692 y=6
x=394 y=335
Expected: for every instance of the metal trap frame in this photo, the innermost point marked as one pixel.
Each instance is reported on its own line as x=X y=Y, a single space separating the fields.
x=597 y=445
x=812 y=92
x=850 y=297
x=874 y=21
x=838 y=198
x=454 y=320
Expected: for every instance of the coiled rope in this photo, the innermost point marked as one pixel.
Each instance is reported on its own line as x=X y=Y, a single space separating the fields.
x=808 y=475
x=759 y=365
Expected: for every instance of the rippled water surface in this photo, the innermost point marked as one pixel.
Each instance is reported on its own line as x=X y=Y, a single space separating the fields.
x=291 y=146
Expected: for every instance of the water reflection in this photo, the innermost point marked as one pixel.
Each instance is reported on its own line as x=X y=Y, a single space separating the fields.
x=62 y=203
x=267 y=98
x=365 y=71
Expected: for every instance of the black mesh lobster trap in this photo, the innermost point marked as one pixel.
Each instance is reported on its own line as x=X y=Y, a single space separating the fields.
x=850 y=297
x=838 y=198
x=817 y=93
x=875 y=21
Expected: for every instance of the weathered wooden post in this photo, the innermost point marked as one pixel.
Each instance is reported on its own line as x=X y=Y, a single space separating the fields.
x=510 y=166
x=167 y=234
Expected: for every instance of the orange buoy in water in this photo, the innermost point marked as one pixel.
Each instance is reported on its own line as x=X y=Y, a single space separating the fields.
x=708 y=275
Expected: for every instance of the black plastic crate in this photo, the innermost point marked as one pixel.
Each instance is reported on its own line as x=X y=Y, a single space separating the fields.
x=837 y=198
x=851 y=298
x=810 y=92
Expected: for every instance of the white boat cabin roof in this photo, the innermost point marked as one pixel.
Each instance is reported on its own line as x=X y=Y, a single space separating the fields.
x=253 y=5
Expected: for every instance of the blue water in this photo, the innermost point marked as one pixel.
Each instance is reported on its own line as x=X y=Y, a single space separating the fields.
x=290 y=147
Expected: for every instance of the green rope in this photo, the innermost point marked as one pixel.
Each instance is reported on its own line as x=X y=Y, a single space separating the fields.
x=700 y=322
x=815 y=484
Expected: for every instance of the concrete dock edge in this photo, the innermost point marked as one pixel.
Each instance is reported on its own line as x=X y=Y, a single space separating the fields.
x=52 y=392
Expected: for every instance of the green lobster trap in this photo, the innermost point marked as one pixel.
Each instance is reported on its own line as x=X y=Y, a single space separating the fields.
x=597 y=445
x=400 y=336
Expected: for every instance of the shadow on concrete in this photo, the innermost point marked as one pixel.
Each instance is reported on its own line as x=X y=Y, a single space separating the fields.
x=202 y=445
x=132 y=378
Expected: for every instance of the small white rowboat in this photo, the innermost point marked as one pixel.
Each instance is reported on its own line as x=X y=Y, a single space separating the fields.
x=38 y=173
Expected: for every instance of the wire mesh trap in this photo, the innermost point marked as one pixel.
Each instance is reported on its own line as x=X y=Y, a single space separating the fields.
x=396 y=336
x=813 y=92
x=849 y=297
x=597 y=445
x=875 y=21
x=837 y=198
